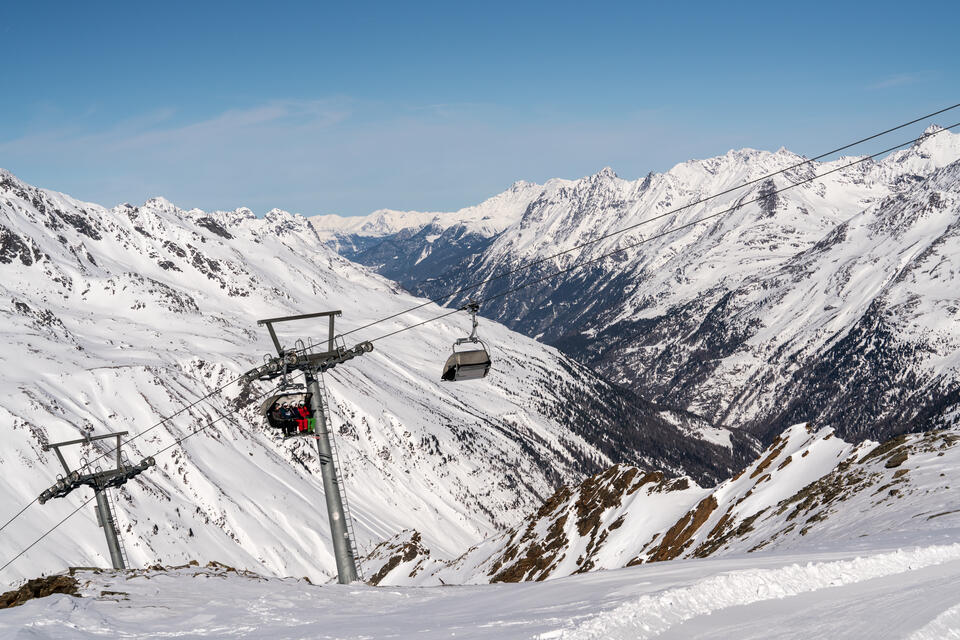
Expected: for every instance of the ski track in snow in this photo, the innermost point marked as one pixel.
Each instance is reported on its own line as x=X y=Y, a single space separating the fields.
x=946 y=626
x=652 y=615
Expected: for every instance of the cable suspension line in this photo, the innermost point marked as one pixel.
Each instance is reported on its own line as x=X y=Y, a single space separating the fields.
x=176 y=443
x=111 y=450
x=48 y=532
x=30 y=504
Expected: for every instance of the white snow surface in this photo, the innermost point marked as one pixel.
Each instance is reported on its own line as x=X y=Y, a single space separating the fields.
x=905 y=592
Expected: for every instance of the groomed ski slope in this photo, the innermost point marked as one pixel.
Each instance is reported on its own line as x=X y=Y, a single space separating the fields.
x=911 y=592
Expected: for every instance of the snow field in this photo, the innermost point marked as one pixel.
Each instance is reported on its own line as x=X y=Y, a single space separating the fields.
x=886 y=594
x=651 y=615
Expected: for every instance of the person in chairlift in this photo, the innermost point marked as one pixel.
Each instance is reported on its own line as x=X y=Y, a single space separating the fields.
x=303 y=423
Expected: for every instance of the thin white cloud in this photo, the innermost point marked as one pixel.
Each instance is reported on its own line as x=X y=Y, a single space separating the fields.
x=152 y=130
x=341 y=155
x=901 y=79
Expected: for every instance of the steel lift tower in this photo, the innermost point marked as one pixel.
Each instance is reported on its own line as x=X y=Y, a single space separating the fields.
x=99 y=480
x=312 y=364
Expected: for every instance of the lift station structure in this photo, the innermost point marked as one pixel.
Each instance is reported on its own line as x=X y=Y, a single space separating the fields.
x=100 y=480
x=312 y=364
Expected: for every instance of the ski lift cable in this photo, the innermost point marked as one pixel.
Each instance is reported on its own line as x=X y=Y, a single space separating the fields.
x=19 y=513
x=48 y=532
x=162 y=421
x=533 y=263
x=177 y=442
x=222 y=416
x=669 y=231
x=170 y=417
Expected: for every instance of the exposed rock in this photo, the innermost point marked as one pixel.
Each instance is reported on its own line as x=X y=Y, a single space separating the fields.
x=40 y=588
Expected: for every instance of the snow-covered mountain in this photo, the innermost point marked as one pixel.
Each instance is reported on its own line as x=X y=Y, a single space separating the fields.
x=756 y=319
x=809 y=491
x=113 y=318
x=488 y=218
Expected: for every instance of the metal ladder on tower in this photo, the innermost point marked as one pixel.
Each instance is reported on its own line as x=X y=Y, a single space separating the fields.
x=354 y=547
x=113 y=514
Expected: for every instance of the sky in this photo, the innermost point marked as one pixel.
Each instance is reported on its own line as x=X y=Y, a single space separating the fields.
x=346 y=108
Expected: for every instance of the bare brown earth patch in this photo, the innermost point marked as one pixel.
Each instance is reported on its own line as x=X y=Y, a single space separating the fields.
x=534 y=561
x=945 y=513
x=521 y=560
x=40 y=588
x=896 y=459
x=650 y=476
x=599 y=493
x=721 y=525
x=880 y=450
x=678 y=537
x=776 y=448
x=709 y=545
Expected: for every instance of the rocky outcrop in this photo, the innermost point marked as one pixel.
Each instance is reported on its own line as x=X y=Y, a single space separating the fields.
x=807 y=489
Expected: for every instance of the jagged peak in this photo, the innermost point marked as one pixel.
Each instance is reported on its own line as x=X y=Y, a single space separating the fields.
x=934 y=134
x=744 y=153
x=937 y=148
x=288 y=220
x=159 y=202
x=9 y=177
x=521 y=185
x=605 y=173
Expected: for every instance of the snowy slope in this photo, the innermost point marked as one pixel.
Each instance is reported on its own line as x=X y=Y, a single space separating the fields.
x=808 y=492
x=902 y=593
x=743 y=318
x=862 y=330
x=113 y=318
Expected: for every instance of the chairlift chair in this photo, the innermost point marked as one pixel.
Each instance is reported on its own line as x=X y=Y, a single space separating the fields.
x=290 y=413
x=468 y=364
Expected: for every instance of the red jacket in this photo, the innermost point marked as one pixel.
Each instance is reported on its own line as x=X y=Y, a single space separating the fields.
x=303 y=423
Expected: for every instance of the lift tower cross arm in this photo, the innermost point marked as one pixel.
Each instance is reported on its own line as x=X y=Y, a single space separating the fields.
x=306 y=316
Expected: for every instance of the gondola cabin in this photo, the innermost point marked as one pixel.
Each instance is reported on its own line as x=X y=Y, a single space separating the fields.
x=291 y=414
x=467 y=365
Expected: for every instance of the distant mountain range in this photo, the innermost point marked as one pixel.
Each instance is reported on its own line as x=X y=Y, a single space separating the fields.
x=834 y=301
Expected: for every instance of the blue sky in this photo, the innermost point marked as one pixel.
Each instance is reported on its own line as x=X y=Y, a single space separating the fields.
x=349 y=107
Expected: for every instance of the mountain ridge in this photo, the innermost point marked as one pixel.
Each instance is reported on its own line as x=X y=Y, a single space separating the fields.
x=808 y=490
x=665 y=317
